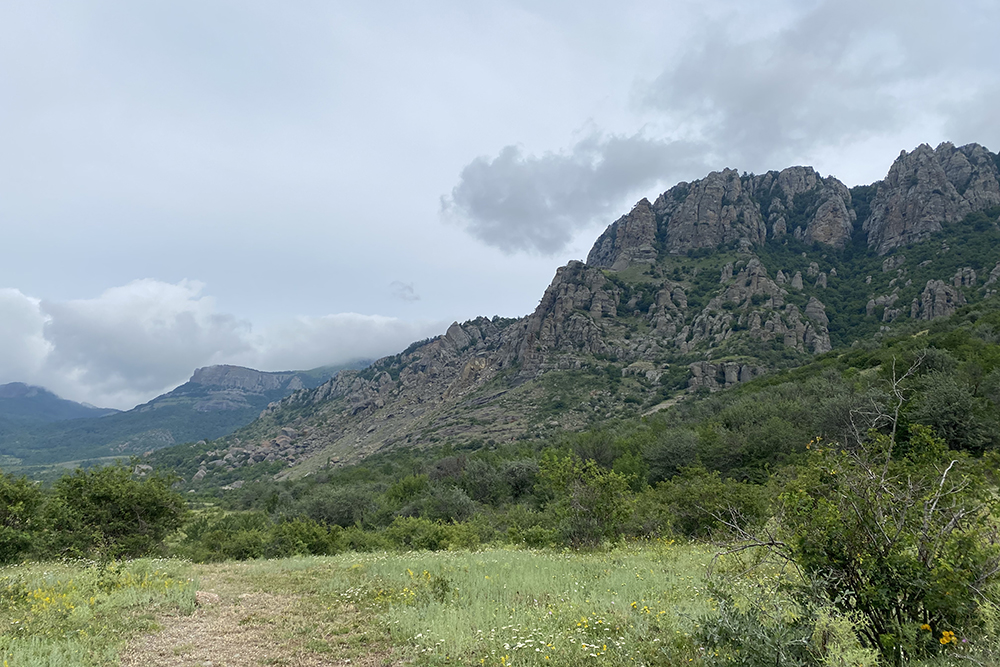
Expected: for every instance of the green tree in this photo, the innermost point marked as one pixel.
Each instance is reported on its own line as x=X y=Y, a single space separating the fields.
x=109 y=513
x=19 y=504
x=588 y=502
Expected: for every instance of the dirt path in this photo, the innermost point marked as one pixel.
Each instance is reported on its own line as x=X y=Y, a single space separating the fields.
x=241 y=621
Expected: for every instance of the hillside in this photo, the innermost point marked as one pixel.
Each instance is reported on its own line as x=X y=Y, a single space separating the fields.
x=27 y=403
x=713 y=284
x=214 y=402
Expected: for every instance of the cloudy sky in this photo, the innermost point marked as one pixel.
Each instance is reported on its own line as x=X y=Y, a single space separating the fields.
x=291 y=184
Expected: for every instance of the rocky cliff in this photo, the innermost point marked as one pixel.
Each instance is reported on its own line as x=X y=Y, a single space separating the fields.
x=710 y=285
x=246 y=379
x=928 y=188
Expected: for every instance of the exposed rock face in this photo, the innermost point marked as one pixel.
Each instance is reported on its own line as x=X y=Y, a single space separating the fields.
x=937 y=300
x=244 y=379
x=721 y=376
x=632 y=238
x=785 y=195
x=724 y=207
x=716 y=210
x=928 y=188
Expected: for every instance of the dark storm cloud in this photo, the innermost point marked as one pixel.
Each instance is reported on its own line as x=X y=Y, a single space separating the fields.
x=528 y=203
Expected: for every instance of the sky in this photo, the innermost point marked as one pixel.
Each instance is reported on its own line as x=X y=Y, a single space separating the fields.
x=289 y=185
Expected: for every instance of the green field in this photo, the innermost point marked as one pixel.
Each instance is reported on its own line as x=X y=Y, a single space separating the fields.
x=640 y=604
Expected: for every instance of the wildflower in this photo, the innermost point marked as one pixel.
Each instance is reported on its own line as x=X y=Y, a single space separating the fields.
x=948 y=637
x=925 y=627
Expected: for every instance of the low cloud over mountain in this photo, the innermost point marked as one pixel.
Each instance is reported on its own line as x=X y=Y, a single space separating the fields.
x=141 y=339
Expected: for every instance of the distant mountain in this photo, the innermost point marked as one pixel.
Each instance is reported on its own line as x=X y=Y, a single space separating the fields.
x=26 y=402
x=716 y=282
x=214 y=402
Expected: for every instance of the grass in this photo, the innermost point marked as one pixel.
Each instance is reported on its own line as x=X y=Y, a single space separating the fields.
x=633 y=605
x=82 y=613
x=505 y=606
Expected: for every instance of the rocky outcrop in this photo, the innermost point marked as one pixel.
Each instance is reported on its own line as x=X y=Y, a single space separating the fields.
x=708 y=213
x=937 y=300
x=721 y=375
x=928 y=188
x=799 y=201
x=632 y=238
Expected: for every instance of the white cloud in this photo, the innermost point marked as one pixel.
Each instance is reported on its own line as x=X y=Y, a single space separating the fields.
x=139 y=340
x=757 y=86
x=23 y=347
x=308 y=342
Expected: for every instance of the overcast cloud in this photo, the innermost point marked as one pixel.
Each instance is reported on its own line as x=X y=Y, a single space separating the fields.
x=823 y=76
x=139 y=340
x=348 y=177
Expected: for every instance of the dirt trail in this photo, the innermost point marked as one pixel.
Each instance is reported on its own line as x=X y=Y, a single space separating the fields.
x=236 y=627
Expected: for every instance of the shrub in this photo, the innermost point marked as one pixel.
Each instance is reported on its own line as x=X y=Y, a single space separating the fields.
x=589 y=504
x=19 y=504
x=700 y=503
x=108 y=513
x=905 y=542
x=418 y=534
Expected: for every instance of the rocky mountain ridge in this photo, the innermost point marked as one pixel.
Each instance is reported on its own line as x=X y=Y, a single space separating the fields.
x=712 y=284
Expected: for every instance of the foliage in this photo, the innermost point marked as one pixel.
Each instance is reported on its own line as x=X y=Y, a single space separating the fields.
x=109 y=513
x=589 y=503
x=702 y=504
x=246 y=535
x=19 y=503
x=905 y=541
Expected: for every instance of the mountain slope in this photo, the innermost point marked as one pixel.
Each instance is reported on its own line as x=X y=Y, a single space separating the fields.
x=716 y=282
x=25 y=402
x=214 y=402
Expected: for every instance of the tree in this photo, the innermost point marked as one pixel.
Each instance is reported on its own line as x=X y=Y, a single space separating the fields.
x=588 y=502
x=107 y=512
x=19 y=503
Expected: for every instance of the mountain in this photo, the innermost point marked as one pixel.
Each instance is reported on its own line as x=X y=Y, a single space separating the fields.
x=21 y=401
x=214 y=402
x=714 y=283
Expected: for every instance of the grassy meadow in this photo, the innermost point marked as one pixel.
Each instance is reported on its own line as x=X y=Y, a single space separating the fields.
x=633 y=605
x=81 y=613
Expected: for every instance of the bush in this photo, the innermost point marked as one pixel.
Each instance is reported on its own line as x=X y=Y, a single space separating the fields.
x=699 y=503
x=907 y=543
x=19 y=504
x=338 y=506
x=589 y=504
x=106 y=512
x=248 y=535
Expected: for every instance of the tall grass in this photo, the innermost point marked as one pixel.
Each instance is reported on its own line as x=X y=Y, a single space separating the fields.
x=510 y=606
x=80 y=613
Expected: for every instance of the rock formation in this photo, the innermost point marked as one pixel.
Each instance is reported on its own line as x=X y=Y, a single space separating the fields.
x=928 y=188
